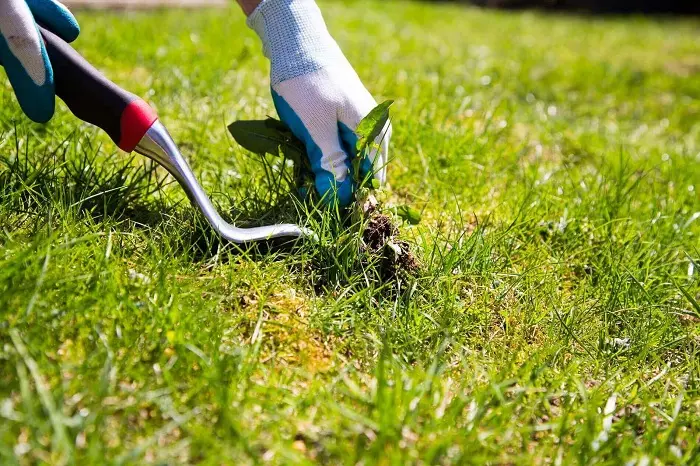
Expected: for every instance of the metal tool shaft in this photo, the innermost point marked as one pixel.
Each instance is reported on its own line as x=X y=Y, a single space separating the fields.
x=133 y=125
x=160 y=147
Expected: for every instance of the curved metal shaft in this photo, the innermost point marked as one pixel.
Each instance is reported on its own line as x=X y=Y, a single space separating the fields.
x=159 y=146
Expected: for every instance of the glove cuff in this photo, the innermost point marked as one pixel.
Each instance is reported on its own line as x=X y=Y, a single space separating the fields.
x=295 y=38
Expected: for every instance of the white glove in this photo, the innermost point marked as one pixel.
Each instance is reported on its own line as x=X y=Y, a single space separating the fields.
x=317 y=94
x=23 y=54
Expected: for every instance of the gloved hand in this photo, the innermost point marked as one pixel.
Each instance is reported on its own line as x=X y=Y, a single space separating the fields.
x=317 y=94
x=23 y=54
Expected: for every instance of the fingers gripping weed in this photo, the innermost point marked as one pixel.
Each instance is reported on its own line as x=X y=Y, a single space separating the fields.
x=367 y=224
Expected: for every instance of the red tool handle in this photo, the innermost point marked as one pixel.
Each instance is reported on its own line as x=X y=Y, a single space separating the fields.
x=94 y=98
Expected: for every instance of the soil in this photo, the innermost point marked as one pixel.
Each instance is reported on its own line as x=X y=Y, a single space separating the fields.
x=382 y=241
x=380 y=229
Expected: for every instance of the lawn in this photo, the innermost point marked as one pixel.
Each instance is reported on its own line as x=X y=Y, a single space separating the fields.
x=555 y=317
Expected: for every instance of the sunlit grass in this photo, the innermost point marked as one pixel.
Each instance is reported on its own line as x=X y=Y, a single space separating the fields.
x=555 y=316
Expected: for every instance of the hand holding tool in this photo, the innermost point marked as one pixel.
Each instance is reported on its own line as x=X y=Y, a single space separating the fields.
x=23 y=55
x=134 y=126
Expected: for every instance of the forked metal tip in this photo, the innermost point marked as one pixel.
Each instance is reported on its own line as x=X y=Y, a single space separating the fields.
x=159 y=146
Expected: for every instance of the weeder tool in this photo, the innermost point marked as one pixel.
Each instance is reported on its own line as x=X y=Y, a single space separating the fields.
x=134 y=126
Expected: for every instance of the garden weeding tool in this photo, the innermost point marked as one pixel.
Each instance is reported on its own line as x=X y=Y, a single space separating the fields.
x=134 y=126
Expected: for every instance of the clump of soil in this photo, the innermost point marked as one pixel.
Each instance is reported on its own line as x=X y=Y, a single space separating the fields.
x=380 y=229
x=382 y=242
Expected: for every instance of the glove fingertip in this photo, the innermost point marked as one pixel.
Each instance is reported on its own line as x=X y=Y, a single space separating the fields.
x=56 y=17
x=67 y=29
x=71 y=31
x=346 y=192
x=38 y=103
x=41 y=107
x=333 y=192
x=36 y=100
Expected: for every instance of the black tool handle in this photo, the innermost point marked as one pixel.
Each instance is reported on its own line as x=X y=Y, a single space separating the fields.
x=95 y=99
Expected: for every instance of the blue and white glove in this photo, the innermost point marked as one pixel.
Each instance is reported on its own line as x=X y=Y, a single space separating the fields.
x=23 y=54
x=317 y=94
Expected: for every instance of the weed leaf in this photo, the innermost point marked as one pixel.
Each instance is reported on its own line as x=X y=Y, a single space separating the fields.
x=267 y=137
x=273 y=137
x=273 y=123
x=372 y=125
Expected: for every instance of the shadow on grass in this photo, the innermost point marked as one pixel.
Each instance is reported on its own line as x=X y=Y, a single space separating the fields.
x=123 y=191
x=79 y=186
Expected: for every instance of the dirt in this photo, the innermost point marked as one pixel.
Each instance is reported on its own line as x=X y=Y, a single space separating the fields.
x=389 y=259
x=382 y=242
x=380 y=229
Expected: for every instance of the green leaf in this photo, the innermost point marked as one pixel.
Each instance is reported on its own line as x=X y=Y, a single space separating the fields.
x=273 y=137
x=267 y=137
x=408 y=213
x=278 y=125
x=372 y=125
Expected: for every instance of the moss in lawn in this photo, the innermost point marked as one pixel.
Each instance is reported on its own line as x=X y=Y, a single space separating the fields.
x=289 y=339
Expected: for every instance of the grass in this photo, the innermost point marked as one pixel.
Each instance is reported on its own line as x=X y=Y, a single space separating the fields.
x=555 y=318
